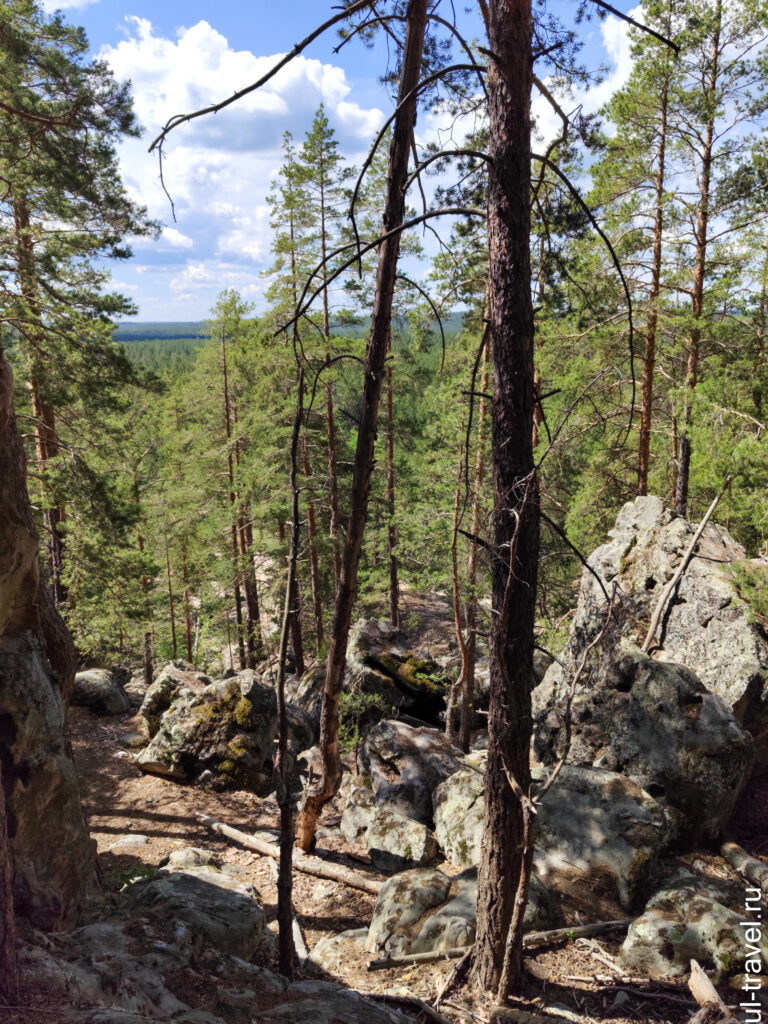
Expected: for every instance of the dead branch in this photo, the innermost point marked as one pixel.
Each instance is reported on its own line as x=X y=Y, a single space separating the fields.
x=713 y=1009
x=637 y=24
x=530 y=941
x=753 y=870
x=302 y=862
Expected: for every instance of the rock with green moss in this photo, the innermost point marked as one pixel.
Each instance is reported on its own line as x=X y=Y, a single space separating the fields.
x=459 y=810
x=379 y=663
x=220 y=730
x=98 y=690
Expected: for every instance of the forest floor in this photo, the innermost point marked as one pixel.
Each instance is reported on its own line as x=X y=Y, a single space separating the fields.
x=149 y=817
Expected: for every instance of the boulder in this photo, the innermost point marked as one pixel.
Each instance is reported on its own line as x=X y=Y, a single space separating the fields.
x=459 y=810
x=422 y=912
x=693 y=918
x=654 y=722
x=597 y=840
x=218 y=730
x=97 y=690
x=171 y=684
x=406 y=764
x=708 y=625
x=334 y=952
x=379 y=665
x=358 y=812
x=322 y=1002
x=307 y=693
x=53 y=856
x=396 y=843
x=202 y=907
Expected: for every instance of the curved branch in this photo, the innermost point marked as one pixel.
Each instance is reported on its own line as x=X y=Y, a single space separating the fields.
x=561 y=533
x=424 y=295
x=445 y=211
x=637 y=24
x=439 y=156
x=214 y=108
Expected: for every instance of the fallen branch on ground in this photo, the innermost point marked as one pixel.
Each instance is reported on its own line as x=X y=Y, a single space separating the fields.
x=301 y=861
x=753 y=870
x=529 y=941
x=713 y=1009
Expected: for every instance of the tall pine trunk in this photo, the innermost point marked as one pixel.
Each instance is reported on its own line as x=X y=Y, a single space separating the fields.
x=649 y=358
x=394 y=588
x=389 y=250
x=515 y=550
x=314 y=564
x=699 y=278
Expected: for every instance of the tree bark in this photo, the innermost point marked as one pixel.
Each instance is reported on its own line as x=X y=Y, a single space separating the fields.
x=394 y=587
x=171 y=607
x=333 y=483
x=516 y=512
x=297 y=634
x=699 y=277
x=394 y=211
x=649 y=358
x=314 y=565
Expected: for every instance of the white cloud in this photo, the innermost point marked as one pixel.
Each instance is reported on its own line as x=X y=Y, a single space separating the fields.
x=615 y=34
x=66 y=5
x=176 y=239
x=218 y=169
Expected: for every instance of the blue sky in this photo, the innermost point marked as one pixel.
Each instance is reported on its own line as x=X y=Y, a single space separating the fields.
x=180 y=56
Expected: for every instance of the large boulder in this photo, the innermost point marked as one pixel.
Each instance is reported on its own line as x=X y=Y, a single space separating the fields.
x=98 y=690
x=228 y=729
x=381 y=666
x=396 y=843
x=598 y=835
x=693 y=917
x=423 y=911
x=707 y=626
x=406 y=764
x=53 y=857
x=656 y=723
x=202 y=907
x=172 y=683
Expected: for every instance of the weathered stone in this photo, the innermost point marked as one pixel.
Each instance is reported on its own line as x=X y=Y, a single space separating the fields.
x=192 y=857
x=358 y=812
x=655 y=723
x=307 y=693
x=422 y=913
x=378 y=664
x=206 y=907
x=132 y=740
x=301 y=728
x=322 y=1002
x=598 y=837
x=686 y=921
x=459 y=809
x=401 y=903
x=54 y=858
x=396 y=843
x=218 y=730
x=333 y=952
x=97 y=690
x=406 y=764
x=707 y=626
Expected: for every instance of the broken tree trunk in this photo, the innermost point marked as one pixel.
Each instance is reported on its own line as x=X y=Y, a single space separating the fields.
x=330 y=776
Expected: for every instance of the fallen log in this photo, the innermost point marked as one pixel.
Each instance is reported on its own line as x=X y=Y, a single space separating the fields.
x=530 y=940
x=301 y=861
x=752 y=869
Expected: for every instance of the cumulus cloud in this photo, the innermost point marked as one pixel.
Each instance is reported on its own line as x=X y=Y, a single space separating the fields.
x=219 y=168
x=615 y=36
x=66 y=5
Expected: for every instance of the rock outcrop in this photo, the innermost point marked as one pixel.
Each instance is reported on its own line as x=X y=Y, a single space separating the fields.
x=406 y=764
x=707 y=626
x=655 y=723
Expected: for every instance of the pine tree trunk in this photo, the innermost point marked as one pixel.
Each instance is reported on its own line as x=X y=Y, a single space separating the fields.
x=470 y=615
x=187 y=602
x=252 y=591
x=699 y=277
x=171 y=607
x=516 y=507
x=314 y=565
x=333 y=483
x=330 y=778
x=46 y=436
x=649 y=358
x=9 y=977
x=297 y=634
x=394 y=588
